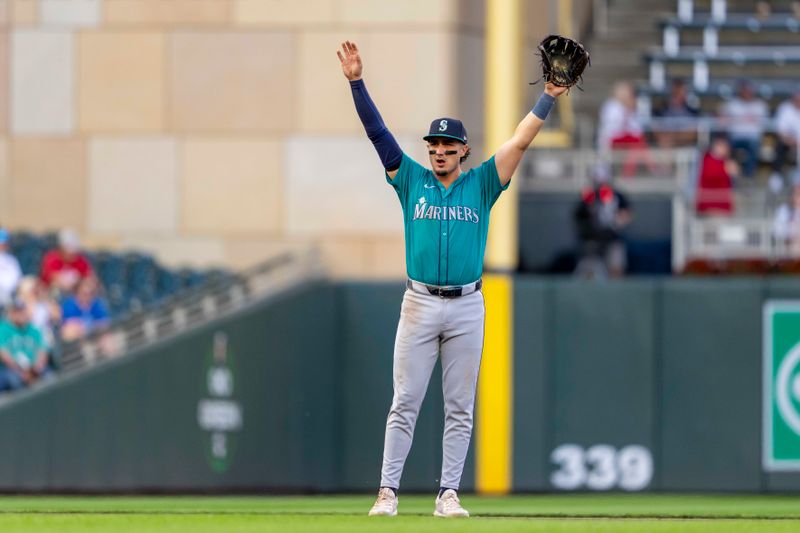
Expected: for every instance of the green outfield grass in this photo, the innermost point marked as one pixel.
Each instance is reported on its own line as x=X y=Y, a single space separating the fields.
x=561 y=513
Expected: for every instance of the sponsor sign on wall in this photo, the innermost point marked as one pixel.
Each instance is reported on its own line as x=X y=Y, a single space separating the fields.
x=781 y=400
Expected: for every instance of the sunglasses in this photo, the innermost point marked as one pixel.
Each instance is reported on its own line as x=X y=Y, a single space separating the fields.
x=446 y=152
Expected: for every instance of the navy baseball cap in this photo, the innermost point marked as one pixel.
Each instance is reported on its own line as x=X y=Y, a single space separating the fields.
x=452 y=128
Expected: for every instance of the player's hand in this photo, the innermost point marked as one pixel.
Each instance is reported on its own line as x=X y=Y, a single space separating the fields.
x=351 y=61
x=554 y=90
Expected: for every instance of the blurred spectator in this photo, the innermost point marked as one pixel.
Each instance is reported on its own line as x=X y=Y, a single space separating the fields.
x=600 y=216
x=620 y=128
x=786 y=226
x=678 y=116
x=744 y=117
x=22 y=351
x=85 y=312
x=10 y=271
x=619 y=125
x=763 y=10
x=44 y=312
x=787 y=125
x=62 y=268
x=715 y=182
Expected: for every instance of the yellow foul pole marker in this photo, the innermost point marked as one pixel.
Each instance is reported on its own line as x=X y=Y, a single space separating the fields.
x=494 y=430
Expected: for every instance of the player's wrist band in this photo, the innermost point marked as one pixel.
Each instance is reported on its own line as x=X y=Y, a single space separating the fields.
x=543 y=106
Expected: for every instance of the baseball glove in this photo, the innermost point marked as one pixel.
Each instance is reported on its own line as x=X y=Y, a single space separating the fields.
x=563 y=60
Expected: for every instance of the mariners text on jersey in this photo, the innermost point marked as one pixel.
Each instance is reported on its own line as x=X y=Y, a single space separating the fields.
x=435 y=212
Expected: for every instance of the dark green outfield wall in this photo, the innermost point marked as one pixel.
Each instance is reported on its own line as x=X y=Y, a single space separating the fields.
x=132 y=424
x=674 y=366
x=604 y=373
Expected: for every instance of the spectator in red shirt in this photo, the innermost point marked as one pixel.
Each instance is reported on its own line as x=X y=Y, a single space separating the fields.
x=715 y=183
x=65 y=266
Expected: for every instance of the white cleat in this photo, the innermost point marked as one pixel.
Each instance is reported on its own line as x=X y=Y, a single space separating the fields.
x=449 y=506
x=386 y=504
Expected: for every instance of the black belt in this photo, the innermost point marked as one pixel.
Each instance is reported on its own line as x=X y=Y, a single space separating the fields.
x=452 y=291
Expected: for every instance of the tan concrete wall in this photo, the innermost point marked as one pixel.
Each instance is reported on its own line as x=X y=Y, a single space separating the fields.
x=222 y=131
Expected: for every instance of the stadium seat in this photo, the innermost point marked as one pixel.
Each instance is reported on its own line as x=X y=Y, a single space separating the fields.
x=50 y=240
x=141 y=278
x=190 y=277
x=111 y=269
x=29 y=250
x=167 y=282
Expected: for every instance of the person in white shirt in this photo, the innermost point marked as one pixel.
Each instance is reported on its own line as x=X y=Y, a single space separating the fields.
x=619 y=122
x=787 y=126
x=620 y=128
x=10 y=271
x=786 y=225
x=745 y=117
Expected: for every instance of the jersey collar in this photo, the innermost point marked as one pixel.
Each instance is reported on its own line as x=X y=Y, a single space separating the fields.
x=446 y=192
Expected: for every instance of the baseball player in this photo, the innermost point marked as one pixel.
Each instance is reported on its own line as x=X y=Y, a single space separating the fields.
x=446 y=215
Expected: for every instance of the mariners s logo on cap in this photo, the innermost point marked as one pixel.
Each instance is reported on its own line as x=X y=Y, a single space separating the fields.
x=450 y=128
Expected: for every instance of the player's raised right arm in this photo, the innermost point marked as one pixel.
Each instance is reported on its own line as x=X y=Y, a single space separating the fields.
x=385 y=144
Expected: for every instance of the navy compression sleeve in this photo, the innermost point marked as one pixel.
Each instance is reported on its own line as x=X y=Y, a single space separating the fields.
x=385 y=144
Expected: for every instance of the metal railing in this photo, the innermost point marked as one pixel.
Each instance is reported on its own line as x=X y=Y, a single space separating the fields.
x=190 y=308
x=748 y=233
x=657 y=170
x=723 y=238
x=730 y=238
x=704 y=127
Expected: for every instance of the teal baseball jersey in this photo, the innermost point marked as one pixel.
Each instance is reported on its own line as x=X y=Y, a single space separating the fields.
x=23 y=344
x=446 y=229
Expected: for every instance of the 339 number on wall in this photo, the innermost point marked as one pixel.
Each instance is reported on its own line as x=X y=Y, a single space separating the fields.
x=601 y=467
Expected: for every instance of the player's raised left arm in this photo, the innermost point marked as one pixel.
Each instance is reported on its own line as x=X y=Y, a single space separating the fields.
x=510 y=153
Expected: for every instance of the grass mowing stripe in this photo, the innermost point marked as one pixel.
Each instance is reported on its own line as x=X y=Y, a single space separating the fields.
x=759 y=507
x=489 y=516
